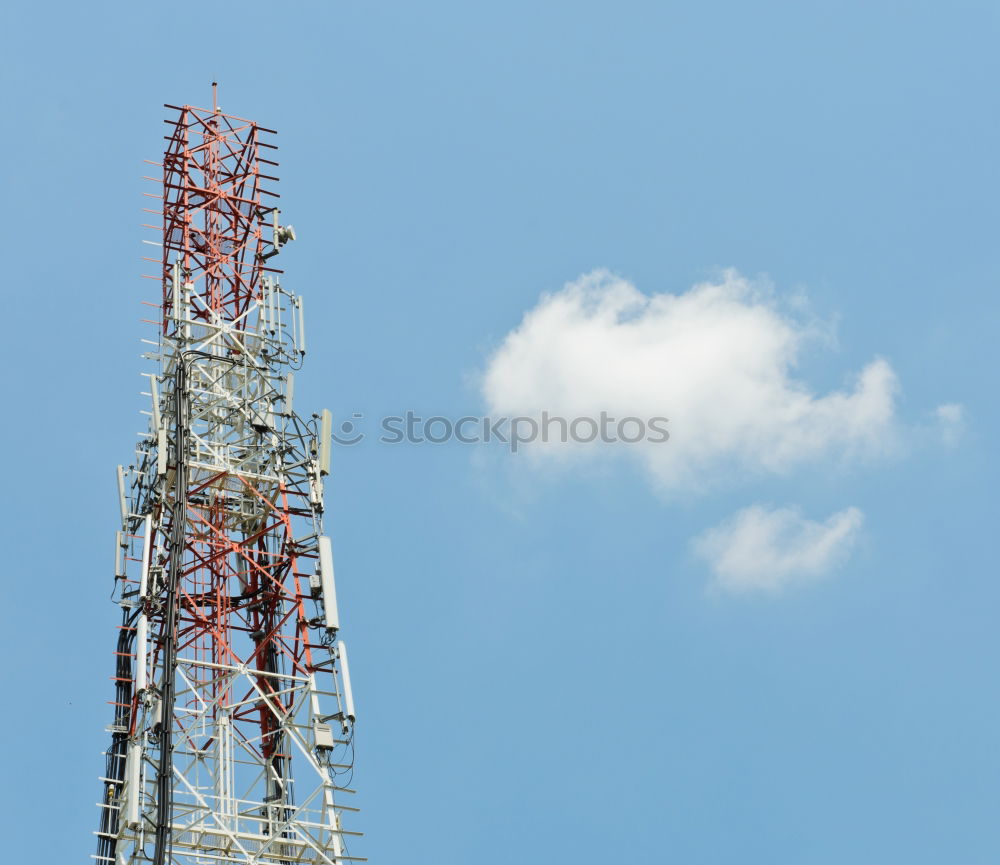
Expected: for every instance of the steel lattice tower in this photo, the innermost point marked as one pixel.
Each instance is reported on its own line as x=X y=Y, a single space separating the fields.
x=233 y=724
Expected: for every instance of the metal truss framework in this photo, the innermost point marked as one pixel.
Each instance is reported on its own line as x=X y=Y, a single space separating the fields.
x=232 y=739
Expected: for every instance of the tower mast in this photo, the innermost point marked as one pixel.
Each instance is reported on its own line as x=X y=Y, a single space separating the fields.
x=233 y=712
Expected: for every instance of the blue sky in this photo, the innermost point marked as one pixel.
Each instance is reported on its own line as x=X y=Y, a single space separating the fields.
x=545 y=667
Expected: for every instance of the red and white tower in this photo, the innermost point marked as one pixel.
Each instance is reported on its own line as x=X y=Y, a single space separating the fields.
x=232 y=739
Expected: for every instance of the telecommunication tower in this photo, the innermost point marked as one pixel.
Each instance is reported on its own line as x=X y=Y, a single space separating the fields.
x=232 y=739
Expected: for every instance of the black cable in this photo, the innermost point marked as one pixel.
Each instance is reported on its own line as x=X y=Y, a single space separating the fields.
x=117 y=753
x=164 y=773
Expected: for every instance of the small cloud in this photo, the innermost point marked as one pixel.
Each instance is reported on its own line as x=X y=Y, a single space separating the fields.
x=951 y=419
x=762 y=548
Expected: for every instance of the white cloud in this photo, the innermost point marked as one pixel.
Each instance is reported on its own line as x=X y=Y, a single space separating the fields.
x=717 y=360
x=951 y=419
x=765 y=549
